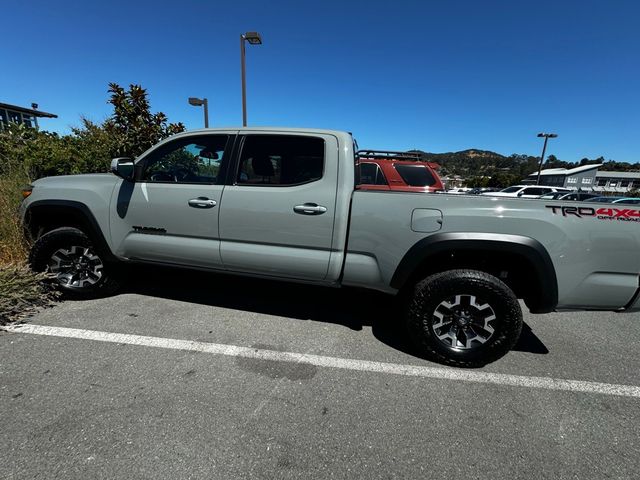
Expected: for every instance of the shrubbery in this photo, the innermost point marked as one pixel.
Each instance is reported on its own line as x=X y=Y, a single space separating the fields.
x=13 y=245
x=20 y=289
x=129 y=131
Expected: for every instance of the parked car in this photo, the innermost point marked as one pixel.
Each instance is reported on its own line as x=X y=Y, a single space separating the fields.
x=578 y=196
x=628 y=201
x=480 y=190
x=282 y=204
x=604 y=199
x=574 y=196
x=400 y=171
x=552 y=195
x=527 y=191
x=459 y=191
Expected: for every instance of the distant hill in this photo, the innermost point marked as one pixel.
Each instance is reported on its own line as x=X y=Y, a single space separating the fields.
x=476 y=162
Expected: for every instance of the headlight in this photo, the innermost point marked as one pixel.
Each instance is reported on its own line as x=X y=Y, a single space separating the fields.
x=26 y=191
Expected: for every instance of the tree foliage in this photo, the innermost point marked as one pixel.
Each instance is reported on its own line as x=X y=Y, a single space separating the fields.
x=130 y=130
x=132 y=125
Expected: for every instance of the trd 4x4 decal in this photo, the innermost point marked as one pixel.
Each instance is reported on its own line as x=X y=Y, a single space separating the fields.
x=603 y=213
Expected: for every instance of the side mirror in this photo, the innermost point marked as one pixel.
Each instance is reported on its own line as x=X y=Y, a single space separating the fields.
x=123 y=167
x=520 y=194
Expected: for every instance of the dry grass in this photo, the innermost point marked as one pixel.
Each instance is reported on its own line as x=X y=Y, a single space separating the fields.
x=13 y=245
x=21 y=290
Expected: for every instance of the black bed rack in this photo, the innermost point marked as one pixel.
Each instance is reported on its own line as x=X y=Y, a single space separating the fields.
x=389 y=155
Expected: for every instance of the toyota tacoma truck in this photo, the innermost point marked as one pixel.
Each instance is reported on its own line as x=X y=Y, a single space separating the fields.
x=287 y=204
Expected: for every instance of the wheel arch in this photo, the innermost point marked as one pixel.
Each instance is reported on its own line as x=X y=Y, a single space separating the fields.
x=497 y=254
x=43 y=216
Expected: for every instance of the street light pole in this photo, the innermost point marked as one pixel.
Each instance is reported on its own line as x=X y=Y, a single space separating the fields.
x=244 y=82
x=546 y=137
x=253 y=38
x=201 y=102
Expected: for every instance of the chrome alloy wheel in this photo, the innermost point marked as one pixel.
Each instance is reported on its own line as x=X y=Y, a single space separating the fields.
x=463 y=322
x=76 y=267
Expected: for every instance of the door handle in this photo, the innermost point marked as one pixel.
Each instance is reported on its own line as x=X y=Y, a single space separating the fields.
x=310 y=209
x=202 y=202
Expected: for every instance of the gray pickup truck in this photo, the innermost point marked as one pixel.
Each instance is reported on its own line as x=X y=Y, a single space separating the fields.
x=287 y=204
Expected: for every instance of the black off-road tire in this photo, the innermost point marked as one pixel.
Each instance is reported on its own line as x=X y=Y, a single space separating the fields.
x=64 y=238
x=449 y=287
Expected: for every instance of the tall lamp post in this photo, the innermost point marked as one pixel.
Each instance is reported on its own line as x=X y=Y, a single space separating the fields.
x=197 y=102
x=546 y=137
x=253 y=38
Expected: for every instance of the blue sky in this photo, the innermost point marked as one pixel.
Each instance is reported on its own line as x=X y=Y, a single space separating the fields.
x=435 y=75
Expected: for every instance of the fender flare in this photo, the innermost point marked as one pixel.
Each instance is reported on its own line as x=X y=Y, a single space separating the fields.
x=78 y=211
x=529 y=248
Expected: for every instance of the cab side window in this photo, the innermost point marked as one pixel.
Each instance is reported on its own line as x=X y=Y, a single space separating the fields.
x=195 y=159
x=280 y=160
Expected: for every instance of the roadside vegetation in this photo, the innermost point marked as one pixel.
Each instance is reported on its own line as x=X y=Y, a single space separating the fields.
x=27 y=154
x=21 y=290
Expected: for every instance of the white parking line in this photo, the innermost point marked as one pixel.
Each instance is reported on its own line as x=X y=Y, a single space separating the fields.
x=441 y=373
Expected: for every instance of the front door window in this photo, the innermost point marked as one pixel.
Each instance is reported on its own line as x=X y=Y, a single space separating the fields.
x=187 y=160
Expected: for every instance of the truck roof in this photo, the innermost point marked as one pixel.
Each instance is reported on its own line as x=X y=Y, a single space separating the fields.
x=269 y=129
x=343 y=136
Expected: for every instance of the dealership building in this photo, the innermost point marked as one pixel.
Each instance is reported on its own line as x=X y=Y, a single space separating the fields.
x=617 y=182
x=587 y=178
x=27 y=116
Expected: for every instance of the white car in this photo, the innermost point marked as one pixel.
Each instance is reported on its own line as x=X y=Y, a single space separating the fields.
x=526 y=191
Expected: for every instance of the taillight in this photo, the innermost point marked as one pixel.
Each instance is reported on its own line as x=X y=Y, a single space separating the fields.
x=26 y=191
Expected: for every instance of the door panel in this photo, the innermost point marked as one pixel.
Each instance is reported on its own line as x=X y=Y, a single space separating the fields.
x=170 y=214
x=159 y=224
x=261 y=229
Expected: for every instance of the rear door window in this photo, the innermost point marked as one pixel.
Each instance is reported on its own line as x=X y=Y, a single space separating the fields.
x=280 y=160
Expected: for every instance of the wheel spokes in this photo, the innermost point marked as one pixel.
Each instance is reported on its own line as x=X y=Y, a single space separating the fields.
x=76 y=266
x=463 y=322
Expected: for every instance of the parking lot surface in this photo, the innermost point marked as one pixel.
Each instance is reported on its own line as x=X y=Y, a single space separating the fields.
x=220 y=377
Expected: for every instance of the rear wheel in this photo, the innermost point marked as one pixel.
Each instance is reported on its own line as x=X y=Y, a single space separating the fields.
x=68 y=254
x=464 y=318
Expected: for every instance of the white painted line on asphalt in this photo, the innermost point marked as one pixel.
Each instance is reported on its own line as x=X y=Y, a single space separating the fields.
x=440 y=373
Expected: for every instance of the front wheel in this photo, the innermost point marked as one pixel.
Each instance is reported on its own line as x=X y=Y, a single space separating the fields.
x=464 y=318
x=68 y=255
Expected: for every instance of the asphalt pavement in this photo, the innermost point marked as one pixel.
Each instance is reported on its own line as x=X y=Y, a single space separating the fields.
x=222 y=377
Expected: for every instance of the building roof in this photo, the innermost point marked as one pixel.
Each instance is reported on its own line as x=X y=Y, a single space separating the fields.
x=618 y=175
x=566 y=171
x=30 y=111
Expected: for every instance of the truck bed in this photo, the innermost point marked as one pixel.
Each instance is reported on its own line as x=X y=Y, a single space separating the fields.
x=593 y=248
